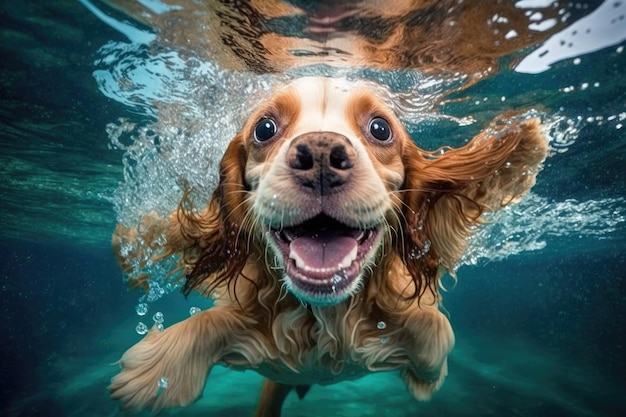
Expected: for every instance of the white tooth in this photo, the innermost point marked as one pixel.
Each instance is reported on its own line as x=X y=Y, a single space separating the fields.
x=345 y=262
x=299 y=262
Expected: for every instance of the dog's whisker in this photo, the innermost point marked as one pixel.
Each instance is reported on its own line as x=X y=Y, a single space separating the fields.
x=338 y=277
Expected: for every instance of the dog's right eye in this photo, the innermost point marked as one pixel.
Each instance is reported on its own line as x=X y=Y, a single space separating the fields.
x=379 y=128
x=265 y=130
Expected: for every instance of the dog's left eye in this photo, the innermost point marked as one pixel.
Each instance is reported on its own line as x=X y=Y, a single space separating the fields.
x=379 y=128
x=265 y=130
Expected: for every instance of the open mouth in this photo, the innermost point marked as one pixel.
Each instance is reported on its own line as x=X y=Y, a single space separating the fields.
x=323 y=258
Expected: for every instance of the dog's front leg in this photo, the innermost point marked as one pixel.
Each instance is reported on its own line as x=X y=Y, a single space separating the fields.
x=430 y=339
x=169 y=368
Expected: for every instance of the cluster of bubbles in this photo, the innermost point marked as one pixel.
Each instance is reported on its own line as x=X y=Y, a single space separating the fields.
x=189 y=109
x=417 y=253
x=528 y=225
x=157 y=318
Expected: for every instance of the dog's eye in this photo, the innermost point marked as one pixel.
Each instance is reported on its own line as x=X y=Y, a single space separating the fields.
x=265 y=130
x=379 y=128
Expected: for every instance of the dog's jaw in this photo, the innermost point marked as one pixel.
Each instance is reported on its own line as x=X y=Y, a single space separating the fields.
x=322 y=243
x=324 y=265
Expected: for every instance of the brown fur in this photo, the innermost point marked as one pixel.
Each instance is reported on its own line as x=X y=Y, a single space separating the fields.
x=432 y=200
x=431 y=36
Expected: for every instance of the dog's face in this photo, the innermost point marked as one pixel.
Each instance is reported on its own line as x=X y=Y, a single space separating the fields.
x=324 y=158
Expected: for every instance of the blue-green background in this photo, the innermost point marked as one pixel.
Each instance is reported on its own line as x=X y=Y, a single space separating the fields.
x=538 y=334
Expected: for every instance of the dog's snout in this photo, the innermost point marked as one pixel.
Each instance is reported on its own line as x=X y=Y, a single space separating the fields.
x=321 y=161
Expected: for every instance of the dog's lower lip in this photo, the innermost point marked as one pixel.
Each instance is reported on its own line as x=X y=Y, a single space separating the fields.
x=316 y=275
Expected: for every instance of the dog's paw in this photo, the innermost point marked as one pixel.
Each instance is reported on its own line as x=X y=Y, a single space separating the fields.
x=163 y=370
x=432 y=339
x=423 y=387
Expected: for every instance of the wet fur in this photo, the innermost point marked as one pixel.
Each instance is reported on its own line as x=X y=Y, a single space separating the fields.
x=256 y=324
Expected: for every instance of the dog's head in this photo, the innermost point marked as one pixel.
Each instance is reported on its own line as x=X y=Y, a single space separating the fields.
x=324 y=161
x=323 y=185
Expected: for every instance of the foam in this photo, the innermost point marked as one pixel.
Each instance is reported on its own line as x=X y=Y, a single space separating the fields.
x=527 y=226
x=188 y=110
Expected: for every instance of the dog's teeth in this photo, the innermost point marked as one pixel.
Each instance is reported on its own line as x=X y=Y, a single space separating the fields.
x=347 y=260
x=299 y=262
x=344 y=263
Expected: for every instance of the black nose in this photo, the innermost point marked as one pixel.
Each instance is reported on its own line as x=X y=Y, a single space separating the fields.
x=339 y=158
x=321 y=161
x=303 y=160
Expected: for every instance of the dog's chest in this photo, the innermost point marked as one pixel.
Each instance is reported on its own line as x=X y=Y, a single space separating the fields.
x=323 y=365
x=318 y=346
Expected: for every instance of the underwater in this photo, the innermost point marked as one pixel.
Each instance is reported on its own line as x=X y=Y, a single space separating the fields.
x=113 y=109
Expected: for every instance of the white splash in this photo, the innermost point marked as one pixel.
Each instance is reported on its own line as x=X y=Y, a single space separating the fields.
x=604 y=27
x=192 y=108
x=528 y=225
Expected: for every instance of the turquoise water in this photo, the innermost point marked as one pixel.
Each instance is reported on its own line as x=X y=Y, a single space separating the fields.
x=540 y=303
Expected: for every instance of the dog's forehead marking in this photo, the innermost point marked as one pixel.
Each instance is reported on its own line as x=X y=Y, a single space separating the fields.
x=344 y=107
x=326 y=102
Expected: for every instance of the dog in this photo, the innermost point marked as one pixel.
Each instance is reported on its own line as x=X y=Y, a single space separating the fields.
x=323 y=245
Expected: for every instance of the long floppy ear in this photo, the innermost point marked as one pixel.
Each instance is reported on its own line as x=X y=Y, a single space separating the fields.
x=446 y=193
x=221 y=248
x=209 y=240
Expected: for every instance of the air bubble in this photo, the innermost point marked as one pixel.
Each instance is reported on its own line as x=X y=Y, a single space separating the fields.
x=381 y=325
x=158 y=317
x=194 y=310
x=384 y=340
x=141 y=309
x=141 y=328
x=163 y=382
x=159 y=327
x=417 y=253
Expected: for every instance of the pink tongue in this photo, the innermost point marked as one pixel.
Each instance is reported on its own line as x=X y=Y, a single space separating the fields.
x=324 y=251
